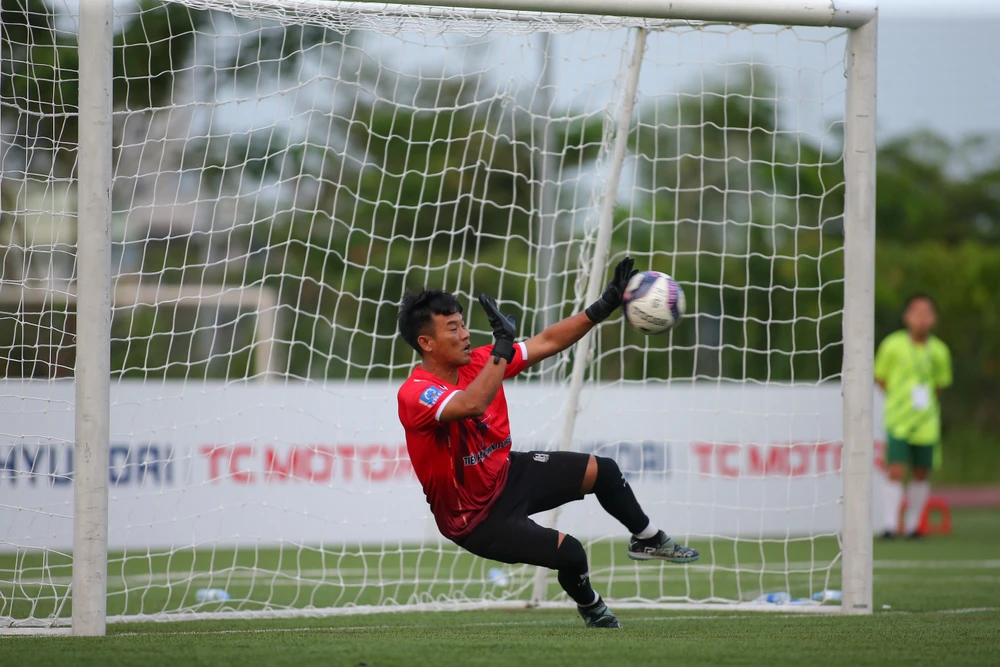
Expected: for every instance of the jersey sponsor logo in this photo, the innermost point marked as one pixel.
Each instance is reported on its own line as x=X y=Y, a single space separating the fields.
x=430 y=396
x=484 y=453
x=540 y=457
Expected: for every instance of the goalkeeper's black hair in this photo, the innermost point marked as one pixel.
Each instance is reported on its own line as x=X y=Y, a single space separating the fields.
x=920 y=296
x=417 y=311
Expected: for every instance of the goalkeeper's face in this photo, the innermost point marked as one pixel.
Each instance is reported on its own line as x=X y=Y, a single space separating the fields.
x=450 y=344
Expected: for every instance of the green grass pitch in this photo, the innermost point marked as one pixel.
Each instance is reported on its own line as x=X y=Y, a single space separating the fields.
x=942 y=596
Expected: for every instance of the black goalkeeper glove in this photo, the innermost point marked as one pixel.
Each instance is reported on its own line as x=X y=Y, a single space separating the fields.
x=613 y=296
x=503 y=330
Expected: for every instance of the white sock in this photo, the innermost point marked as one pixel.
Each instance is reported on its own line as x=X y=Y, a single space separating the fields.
x=917 y=494
x=648 y=532
x=892 y=498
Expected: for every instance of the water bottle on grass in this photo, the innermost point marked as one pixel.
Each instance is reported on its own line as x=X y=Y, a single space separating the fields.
x=828 y=596
x=211 y=595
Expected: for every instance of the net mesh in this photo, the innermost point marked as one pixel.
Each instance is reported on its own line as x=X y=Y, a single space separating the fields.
x=284 y=171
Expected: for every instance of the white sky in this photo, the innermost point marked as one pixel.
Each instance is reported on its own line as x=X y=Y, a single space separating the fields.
x=940 y=74
x=938 y=8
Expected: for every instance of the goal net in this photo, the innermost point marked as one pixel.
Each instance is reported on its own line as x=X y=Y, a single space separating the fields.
x=285 y=169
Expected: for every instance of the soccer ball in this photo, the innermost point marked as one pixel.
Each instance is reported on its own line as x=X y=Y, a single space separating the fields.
x=654 y=302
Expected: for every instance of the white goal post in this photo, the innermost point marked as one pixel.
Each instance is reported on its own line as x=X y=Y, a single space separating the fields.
x=774 y=217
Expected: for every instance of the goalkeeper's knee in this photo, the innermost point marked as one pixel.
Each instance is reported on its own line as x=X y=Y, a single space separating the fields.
x=570 y=556
x=574 y=577
x=609 y=475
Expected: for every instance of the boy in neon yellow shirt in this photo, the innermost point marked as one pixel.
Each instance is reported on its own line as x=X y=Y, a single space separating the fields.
x=912 y=366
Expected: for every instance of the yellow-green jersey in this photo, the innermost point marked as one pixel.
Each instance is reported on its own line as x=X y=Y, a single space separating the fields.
x=912 y=373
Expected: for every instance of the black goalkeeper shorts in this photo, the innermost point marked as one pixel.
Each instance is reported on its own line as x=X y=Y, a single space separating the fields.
x=536 y=482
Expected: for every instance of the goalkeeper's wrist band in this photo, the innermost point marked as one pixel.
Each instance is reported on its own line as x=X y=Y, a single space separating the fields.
x=503 y=348
x=599 y=311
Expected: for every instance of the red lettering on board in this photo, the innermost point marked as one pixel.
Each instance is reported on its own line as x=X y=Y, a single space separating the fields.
x=313 y=464
x=775 y=462
x=214 y=453
x=237 y=471
x=783 y=459
x=703 y=452
x=725 y=456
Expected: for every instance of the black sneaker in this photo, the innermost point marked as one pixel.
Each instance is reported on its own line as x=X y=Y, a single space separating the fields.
x=598 y=615
x=915 y=535
x=661 y=547
x=887 y=535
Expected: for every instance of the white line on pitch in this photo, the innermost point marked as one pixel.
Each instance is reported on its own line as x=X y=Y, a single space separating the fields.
x=968 y=610
x=935 y=564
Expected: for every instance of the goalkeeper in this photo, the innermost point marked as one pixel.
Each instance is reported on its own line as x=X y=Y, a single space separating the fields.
x=453 y=410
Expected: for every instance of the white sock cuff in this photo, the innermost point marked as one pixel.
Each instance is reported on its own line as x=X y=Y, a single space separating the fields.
x=648 y=532
x=917 y=494
x=892 y=498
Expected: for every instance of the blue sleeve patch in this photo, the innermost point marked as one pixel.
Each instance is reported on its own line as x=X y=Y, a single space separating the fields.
x=430 y=396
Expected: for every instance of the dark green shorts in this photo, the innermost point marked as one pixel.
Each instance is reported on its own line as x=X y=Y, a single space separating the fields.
x=901 y=451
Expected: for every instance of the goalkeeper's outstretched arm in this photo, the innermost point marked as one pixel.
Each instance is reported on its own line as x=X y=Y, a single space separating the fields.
x=565 y=333
x=476 y=398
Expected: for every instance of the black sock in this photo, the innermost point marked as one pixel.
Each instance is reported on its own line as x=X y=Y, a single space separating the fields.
x=616 y=496
x=574 y=576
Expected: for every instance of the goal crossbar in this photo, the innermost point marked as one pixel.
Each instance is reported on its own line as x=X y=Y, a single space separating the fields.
x=821 y=13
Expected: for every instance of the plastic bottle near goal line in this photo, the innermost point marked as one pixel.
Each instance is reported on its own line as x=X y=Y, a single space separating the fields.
x=498 y=577
x=653 y=302
x=211 y=595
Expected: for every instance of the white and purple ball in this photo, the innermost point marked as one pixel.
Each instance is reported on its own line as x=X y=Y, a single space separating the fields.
x=654 y=302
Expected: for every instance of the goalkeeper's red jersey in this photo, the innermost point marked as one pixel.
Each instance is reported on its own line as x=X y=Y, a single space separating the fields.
x=463 y=464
